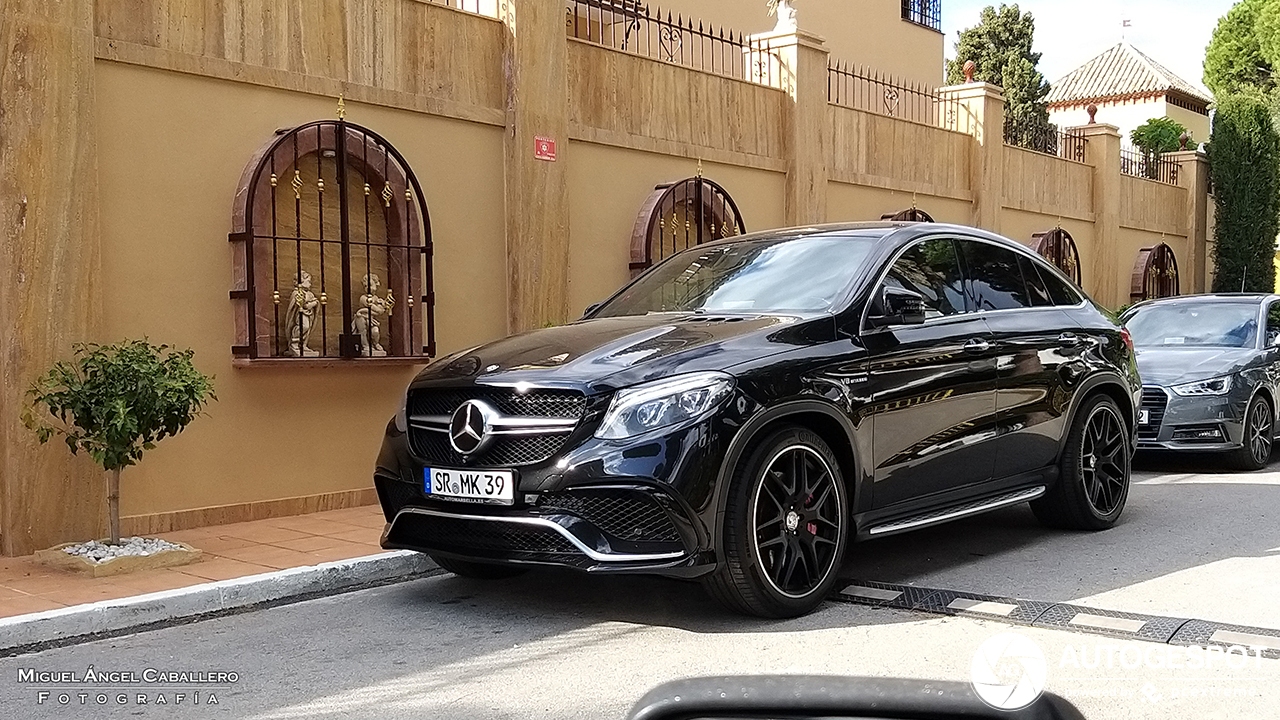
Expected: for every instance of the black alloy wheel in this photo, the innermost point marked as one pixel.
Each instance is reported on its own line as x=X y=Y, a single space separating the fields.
x=1259 y=436
x=1104 y=460
x=1094 y=470
x=797 y=520
x=786 y=527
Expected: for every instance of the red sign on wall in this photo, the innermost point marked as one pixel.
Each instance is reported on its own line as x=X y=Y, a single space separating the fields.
x=544 y=148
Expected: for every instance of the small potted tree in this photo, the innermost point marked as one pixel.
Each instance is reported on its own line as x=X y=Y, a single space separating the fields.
x=115 y=402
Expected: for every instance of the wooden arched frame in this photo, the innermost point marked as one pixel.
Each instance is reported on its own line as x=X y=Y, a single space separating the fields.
x=389 y=184
x=1058 y=247
x=911 y=214
x=1155 y=274
x=709 y=212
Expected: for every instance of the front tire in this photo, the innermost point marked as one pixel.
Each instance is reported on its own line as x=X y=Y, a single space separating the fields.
x=785 y=528
x=477 y=570
x=1094 y=471
x=1259 y=435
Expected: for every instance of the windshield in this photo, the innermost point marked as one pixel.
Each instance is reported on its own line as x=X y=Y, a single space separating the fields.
x=805 y=274
x=1203 y=325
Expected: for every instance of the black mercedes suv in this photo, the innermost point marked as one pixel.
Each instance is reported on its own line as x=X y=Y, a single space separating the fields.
x=745 y=409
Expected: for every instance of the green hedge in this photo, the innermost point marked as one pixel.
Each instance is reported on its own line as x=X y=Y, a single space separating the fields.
x=1244 y=156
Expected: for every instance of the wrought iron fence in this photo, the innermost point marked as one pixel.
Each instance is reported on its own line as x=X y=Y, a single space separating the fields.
x=861 y=88
x=1045 y=139
x=1149 y=165
x=923 y=12
x=633 y=28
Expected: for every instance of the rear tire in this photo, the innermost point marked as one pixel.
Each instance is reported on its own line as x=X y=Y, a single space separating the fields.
x=477 y=570
x=1259 y=435
x=1094 y=471
x=785 y=528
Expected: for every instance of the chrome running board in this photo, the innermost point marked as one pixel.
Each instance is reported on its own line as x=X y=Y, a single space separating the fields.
x=938 y=517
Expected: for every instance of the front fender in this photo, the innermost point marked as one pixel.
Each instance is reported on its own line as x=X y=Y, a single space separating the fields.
x=741 y=445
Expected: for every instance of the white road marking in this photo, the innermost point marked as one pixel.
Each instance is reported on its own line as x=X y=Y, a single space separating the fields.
x=1110 y=623
x=1247 y=639
x=871 y=593
x=982 y=606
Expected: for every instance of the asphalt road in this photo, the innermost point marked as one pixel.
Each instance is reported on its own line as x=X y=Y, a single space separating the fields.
x=559 y=645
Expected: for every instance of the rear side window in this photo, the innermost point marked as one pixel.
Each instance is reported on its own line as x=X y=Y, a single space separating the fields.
x=931 y=269
x=995 y=279
x=1036 y=289
x=1060 y=290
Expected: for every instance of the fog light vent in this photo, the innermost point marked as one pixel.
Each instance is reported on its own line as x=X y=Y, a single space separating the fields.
x=1199 y=433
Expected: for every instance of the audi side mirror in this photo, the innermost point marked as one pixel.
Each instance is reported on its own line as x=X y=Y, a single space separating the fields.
x=833 y=698
x=897 y=306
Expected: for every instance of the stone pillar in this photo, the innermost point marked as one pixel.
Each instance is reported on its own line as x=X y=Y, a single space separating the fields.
x=1106 y=278
x=981 y=114
x=1193 y=174
x=536 y=191
x=802 y=65
x=49 y=261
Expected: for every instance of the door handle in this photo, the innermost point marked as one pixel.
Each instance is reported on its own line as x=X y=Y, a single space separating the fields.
x=1069 y=339
x=977 y=345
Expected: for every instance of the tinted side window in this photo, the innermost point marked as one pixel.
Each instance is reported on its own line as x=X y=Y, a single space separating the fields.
x=1036 y=289
x=1273 y=324
x=995 y=280
x=932 y=269
x=1060 y=290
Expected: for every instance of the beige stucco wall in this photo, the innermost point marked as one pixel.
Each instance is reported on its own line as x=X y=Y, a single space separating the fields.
x=172 y=147
x=868 y=32
x=1021 y=225
x=610 y=184
x=855 y=203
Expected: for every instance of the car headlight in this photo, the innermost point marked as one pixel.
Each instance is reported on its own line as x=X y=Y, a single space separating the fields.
x=1214 y=386
x=662 y=403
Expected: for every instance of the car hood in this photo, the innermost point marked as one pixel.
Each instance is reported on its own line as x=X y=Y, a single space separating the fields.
x=603 y=354
x=1167 y=366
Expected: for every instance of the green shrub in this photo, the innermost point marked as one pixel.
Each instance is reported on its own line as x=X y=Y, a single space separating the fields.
x=115 y=402
x=1244 y=157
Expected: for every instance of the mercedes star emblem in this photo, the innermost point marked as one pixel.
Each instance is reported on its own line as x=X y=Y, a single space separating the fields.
x=469 y=427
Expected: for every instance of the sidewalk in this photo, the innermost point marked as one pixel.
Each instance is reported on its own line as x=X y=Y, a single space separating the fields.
x=230 y=551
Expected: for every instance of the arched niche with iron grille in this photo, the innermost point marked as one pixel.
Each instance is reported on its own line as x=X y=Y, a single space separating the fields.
x=681 y=215
x=911 y=214
x=1155 y=274
x=1058 y=247
x=336 y=202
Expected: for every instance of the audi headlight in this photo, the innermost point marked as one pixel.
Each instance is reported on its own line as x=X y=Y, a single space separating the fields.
x=663 y=403
x=1214 y=386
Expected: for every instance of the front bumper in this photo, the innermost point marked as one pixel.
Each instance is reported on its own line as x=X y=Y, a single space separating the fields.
x=1202 y=424
x=598 y=528
x=639 y=506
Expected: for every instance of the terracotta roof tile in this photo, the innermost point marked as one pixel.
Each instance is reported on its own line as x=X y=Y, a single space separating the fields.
x=1122 y=71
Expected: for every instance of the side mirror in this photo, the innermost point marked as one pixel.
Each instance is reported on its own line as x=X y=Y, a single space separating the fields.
x=897 y=306
x=591 y=308
x=831 y=698
x=1273 y=338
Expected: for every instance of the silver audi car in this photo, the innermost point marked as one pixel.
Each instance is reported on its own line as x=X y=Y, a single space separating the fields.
x=1209 y=367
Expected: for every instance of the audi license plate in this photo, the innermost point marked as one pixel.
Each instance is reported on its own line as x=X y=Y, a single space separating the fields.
x=1144 y=417
x=475 y=486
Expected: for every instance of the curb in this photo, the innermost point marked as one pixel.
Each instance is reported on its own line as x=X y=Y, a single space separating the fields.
x=78 y=623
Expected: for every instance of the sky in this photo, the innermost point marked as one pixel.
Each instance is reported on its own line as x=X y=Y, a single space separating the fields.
x=1068 y=33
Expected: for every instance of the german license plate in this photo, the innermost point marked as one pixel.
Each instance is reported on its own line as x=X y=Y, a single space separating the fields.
x=476 y=486
x=1144 y=417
